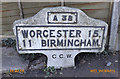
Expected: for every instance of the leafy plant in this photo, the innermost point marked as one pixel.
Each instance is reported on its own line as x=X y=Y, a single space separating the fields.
x=50 y=70
x=9 y=42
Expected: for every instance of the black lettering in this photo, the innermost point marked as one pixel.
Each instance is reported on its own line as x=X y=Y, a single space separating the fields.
x=48 y=42
x=83 y=42
x=43 y=42
x=59 y=42
x=53 y=56
x=70 y=42
x=75 y=43
x=55 y=18
x=95 y=42
x=89 y=33
x=32 y=33
x=25 y=33
x=95 y=33
x=89 y=43
x=65 y=32
x=61 y=55
x=24 y=43
x=45 y=31
x=59 y=34
x=64 y=42
x=71 y=33
x=51 y=33
x=30 y=43
x=70 y=18
x=64 y=17
x=68 y=55
x=52 y=43
x=78 y=32
x=39 y=33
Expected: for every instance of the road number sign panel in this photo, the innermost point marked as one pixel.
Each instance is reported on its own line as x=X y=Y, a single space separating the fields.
x=62 y=17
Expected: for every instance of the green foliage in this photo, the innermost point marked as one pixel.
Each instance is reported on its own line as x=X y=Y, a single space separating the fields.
x=50 y=70
x=8 y=42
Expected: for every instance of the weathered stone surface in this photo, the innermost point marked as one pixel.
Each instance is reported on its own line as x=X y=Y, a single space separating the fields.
x=9 y=52
x=11 y=60
x=37 y=66
x=59 y=58
x=40 y=63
